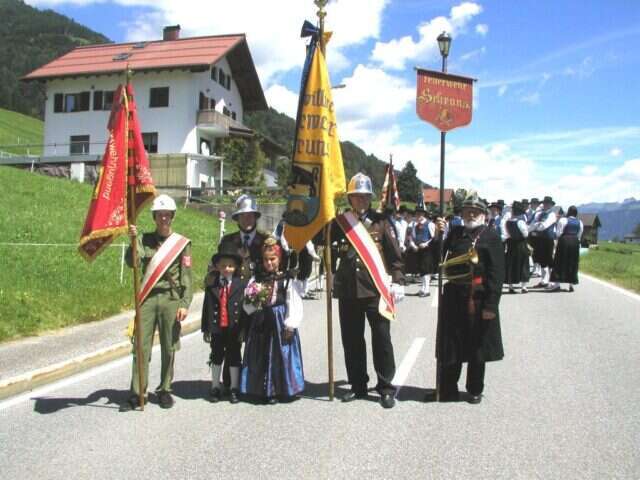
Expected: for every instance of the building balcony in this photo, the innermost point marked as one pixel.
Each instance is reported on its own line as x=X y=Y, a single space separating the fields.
x=220 y=125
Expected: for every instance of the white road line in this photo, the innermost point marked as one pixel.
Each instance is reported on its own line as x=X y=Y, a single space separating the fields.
x=39 y=392
x=627 y=293
x=407 y=362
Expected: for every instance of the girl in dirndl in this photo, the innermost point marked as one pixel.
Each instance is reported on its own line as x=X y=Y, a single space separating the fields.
x=272 y=364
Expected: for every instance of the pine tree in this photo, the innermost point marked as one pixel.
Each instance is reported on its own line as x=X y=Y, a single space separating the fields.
x=409 y=185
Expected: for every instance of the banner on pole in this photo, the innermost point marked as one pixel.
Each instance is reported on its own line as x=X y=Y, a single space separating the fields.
x=443 y=100
x=109 y=211
x=317 y=176
x=389 y=196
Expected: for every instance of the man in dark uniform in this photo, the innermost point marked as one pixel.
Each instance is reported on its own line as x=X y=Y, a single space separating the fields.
x=358 y=297
x=469 y=330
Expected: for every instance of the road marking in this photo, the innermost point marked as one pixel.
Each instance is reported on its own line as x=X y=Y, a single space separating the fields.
x=407 y=362
x=41 y=391
x=621 y=290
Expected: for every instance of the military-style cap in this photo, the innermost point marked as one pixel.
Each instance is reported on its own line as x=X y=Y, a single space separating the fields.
x=163 y=202
x=473 y=201
x=246 y=204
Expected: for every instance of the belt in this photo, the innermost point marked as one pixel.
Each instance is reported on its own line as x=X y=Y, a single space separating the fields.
x=160 y=290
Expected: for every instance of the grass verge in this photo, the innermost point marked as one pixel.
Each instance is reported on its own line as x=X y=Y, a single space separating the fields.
x=617 y=263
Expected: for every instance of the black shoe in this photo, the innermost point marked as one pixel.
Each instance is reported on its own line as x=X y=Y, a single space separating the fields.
x=233 y=396
x=132 y=403
x=387 y=400
x=352 y=395
x=165 y=399
x=214 y=395
x=474 y=399
x=511 y=290
x=571 y=288
x=271 y=401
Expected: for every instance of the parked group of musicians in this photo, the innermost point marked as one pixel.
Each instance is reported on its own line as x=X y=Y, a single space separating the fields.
x=254 y=298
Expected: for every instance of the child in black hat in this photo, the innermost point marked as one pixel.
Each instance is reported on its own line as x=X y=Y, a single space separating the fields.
x=223 y=319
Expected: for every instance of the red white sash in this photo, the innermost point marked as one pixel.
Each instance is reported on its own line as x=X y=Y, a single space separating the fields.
x=366 y=248
x=161 y=261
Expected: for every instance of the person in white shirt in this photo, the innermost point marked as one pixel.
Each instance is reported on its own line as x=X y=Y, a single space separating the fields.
x=514 y=234
x=567 y=258
x=543 y=228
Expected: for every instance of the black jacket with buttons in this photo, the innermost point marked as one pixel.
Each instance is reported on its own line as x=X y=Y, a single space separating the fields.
x=352 y=279
x=211 y=305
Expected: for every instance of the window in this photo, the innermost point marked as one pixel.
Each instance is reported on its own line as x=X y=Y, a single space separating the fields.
x=150 y=140
x=72 y=102
x=228 y=85
x=205 y=147
x=226 y=111
x=233 y=115
x=79 y=145
x=222 y=78
x=159 y=97
x=212 y=103
x=102 y=100
x=203 y=103
x=214 y=74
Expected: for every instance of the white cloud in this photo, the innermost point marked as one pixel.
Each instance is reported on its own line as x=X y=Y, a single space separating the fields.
x=589 y=170
x=502 y=90
x=397 y=52
x=615 y=152
x=531 y=98
x=283 y=100
x=473 y=54
x=482 y=29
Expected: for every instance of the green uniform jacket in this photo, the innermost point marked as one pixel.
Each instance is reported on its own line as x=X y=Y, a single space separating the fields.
x=177 y=278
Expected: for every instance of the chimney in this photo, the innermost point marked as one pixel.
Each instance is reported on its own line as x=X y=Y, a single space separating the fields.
x=172 y=32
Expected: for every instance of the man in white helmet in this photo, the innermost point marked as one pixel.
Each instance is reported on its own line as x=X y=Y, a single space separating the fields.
x=165 y=294
x=359 y=296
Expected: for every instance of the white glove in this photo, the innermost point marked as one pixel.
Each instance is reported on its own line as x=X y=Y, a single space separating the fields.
x=397 y=291
x=315 y=258
x=424 y=245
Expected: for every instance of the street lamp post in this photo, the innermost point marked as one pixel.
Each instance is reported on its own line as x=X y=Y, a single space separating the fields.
x=444 y=44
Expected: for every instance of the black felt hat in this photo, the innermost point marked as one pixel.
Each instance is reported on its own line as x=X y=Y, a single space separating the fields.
x=227 y=250
x=548 y=199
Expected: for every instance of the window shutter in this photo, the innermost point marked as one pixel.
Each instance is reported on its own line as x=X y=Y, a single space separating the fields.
x=97 y=100
x=58 y=103
x=85 y=101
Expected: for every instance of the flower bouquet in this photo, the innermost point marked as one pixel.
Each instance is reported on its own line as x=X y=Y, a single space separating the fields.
x=257 y=294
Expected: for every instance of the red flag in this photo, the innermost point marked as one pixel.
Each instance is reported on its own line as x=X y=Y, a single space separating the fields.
x=109 y=210
x=389 y=195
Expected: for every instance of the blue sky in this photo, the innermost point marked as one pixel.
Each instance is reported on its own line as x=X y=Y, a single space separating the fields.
x=555 y=102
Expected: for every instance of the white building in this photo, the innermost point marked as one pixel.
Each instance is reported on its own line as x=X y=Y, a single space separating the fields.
x=190 y=93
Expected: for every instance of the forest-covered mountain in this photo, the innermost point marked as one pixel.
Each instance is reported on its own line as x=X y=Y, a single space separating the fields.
x=30 y=38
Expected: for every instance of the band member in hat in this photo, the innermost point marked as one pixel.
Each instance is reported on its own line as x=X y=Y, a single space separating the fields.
x=422 y=236
x=530 y=213
x=515 y=233
x=469 y=329
x=373 y=248
x=543 y=229
x=166 y=293
x=567 y=257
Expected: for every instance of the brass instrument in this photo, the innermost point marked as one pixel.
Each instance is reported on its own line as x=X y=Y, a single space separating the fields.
x=470 y=258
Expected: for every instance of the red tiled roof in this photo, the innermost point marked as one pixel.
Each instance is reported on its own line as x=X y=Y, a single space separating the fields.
x=432 y=195
x=158 y=54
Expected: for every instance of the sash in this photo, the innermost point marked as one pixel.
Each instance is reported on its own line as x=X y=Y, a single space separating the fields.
x=366 y=248
x=160 y=262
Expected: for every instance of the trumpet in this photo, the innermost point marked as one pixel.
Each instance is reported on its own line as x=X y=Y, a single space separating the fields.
x=471 y=258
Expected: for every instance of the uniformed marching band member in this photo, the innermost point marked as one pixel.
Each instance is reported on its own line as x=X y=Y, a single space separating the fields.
x=514 y=234
x=567 y=257
x=543 y=229
x=495 y=219
x=469 y=329
x=165 y=293
x=421 y=239
x=248 y=240
x=401 y=225
x=359 y=295
x=530 y=214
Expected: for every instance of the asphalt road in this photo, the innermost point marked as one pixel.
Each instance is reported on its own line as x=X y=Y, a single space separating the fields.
x=562 y=404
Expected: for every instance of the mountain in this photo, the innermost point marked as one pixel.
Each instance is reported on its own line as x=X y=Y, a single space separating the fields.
x=30 y=38
x=618 y=219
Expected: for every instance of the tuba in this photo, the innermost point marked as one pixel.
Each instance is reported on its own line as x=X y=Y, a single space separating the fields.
x=470 y=258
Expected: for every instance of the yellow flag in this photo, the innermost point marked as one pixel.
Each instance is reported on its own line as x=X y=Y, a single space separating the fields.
x=317 y=177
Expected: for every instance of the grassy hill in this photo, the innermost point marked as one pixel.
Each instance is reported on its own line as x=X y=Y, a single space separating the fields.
x=47 y=287
x=16 y=128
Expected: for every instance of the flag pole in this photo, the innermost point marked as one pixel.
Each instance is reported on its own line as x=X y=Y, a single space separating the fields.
x=327 y=235
x=131 y=200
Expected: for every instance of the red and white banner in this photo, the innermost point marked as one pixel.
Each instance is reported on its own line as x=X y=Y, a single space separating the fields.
x=443 y=100
x=124 y=163
x=368 y=252
x=161 y=261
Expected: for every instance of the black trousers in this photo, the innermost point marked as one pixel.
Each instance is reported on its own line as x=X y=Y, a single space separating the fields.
x=225 y=346
x=450 y=374
x=352 y=316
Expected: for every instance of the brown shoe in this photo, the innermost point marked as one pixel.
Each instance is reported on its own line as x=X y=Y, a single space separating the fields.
x=165 y=399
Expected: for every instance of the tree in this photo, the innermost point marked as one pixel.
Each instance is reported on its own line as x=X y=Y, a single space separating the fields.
x=458 y=197
x=409 y=185
x=283 y=170
x=636 y=231
x=247 y=161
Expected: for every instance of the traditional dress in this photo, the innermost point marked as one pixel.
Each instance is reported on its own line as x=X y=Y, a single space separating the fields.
x=567 y=257
x=422 y=239
x=515 y=234
x=542 y=229
x=272 y=366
